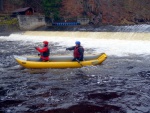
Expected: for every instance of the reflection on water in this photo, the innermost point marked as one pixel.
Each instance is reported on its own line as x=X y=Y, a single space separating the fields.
x=119 y=85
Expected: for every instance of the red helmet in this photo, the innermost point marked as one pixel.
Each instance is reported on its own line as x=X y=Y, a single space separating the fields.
x=45 y=42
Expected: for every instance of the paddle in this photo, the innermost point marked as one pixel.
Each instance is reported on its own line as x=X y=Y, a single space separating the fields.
x=79 y=62
x=76 y=60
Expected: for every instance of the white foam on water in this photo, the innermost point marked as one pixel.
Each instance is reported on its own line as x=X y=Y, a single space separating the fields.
x=115 y=47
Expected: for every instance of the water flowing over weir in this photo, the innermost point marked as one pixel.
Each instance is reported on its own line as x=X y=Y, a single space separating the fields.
x=120 y=85
x=113 y=43
x=93 y=35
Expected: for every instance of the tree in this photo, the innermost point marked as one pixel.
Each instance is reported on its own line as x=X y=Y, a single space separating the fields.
x=51 y=8
x=17 y=2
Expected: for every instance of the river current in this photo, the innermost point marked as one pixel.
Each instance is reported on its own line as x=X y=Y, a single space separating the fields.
x=121 y=84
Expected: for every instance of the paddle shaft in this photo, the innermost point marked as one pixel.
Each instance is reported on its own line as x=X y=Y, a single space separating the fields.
x=79 y=63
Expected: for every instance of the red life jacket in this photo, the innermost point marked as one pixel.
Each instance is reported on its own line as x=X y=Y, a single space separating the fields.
x=44 y=53
x=76 y=52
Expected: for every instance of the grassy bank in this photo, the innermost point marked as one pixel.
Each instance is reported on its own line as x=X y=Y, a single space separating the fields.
x=8 y=24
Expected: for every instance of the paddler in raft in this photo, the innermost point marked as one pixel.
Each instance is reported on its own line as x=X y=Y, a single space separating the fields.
x=44 y=52
x=78 y=51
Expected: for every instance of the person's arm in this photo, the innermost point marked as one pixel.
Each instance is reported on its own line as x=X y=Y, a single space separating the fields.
x=81 y=51
x=70 y=48
x=41 y=50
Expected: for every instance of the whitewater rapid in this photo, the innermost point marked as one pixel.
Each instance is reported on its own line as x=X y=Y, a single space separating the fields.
x=117 y=44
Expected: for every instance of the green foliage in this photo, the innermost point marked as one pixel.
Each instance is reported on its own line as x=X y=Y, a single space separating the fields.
x=8 y=21
x=51 y=8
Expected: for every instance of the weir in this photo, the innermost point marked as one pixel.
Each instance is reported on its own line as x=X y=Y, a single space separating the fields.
x=112 y=43
x=95 y=35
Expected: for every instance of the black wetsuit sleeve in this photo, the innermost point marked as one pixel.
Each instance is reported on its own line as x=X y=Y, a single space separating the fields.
x=81 y=51
x=70 y=48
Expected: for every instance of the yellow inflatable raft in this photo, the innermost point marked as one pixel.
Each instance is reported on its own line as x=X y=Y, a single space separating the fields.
x=59 y=61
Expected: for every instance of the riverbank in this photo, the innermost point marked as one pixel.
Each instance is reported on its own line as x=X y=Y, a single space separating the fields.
x=6 y=30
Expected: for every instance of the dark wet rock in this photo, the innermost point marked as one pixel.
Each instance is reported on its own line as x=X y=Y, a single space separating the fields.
x=88 y=108
x=6 y=103
x=145 y=74
x=3 y=91
x=104 y=96
x=130 y=67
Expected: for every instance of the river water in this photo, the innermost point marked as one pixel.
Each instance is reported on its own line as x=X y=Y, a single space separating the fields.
x=120 y=85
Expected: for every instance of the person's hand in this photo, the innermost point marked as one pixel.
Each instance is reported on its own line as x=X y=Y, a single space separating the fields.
x=77 y=60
